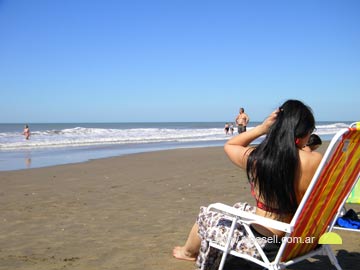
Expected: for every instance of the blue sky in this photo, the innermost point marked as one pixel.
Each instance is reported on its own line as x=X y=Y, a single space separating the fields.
x=146 y=61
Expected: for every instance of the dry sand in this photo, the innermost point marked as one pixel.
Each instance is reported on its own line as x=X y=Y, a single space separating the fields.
x=122 y=213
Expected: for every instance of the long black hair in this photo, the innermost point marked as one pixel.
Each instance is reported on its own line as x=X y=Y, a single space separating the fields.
x=273 y=164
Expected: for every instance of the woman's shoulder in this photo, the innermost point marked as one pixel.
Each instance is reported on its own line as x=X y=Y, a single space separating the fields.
x=311 y=159
x=310 y=154
x=309 y=163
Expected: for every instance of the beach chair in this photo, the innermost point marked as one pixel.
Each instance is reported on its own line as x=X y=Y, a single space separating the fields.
x=310 y=231
x=354 y=196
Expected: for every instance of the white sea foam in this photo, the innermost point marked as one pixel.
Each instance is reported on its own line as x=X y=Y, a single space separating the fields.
x=94 y=136
x=87 y=136
x=330 y=129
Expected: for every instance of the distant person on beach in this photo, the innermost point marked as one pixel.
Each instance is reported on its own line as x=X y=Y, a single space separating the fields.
x=313 y=143
x=226 y=128
x=26 y=132
x=279 y=172
x=231 y=128
x=242 y=120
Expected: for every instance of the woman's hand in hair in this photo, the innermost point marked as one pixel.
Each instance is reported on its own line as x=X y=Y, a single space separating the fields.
x=269 y=121
x=238 y=149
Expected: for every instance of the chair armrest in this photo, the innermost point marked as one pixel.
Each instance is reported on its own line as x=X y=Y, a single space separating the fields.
x=250 y=218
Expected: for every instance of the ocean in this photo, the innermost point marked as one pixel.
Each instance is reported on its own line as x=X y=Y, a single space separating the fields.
x=62 y=143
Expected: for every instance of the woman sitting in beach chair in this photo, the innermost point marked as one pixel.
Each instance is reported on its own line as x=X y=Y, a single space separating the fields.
x=279 y=172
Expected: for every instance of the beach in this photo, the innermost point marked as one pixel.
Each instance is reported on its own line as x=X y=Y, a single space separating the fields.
x=123 y=212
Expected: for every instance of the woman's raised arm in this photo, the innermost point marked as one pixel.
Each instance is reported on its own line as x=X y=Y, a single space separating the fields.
x=237 y=148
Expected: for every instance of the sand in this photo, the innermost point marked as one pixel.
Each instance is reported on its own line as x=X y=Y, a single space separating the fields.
x=122 y=213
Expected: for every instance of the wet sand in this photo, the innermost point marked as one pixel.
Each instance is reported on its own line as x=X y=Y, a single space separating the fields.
x=122 y=213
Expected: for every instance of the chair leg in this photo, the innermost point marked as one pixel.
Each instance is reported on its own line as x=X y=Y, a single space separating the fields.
x=227 y=245
x=332 y=257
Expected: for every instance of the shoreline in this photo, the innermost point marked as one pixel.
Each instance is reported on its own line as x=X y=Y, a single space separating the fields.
x=63 y=143
x=43 y=158
x=123 y=212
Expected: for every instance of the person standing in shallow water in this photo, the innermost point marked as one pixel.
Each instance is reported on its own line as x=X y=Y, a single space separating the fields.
x=226 y=128
x=231 y=128
x=242 y=120
x=26 y=132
